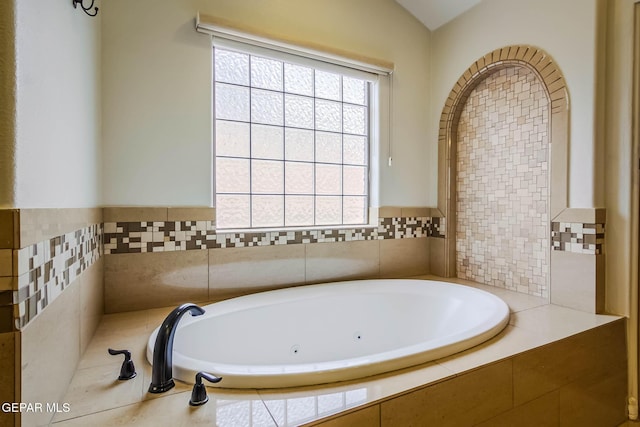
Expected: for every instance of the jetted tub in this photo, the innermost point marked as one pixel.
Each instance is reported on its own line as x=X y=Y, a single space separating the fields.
x=332 y=332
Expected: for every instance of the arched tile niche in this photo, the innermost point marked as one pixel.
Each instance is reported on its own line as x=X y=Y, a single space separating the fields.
x=533 y=60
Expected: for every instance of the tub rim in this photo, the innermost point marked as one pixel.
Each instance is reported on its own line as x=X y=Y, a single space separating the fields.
x=266 y=375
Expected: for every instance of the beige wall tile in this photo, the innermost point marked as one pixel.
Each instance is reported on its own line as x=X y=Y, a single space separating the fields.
x=405 y=211
x=481 y=394
x=342 y=261
x=50 y=353
x=134 y=214
x=38 y=224
x=149 y=280
x=595 y=352
x=9 y=227
x=92 y=301
x=7 y=374
x=404 y=257
x=363 y=418
x=583 y=215
x=600 y=278
x=415 y=212
x=437 y=263
x=541 y=412
x=435 y=213
x=595 y=399
x=559 y=197
x=8 y=283
x=574 y=281
x=175 y=410
x=6 y=262
x=191 y=214
x=6 y=315
x=119 y=331
x=74 y=218
x=87 y=383
x=238 y=271
x=389 y=212
x=450 y=255
x=43 y=224
x=443 y=166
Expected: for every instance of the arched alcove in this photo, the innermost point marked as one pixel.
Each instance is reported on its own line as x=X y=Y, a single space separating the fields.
x=549 y=75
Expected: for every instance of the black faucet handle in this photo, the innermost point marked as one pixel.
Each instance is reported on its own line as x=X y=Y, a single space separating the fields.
x=127 y=370
x=207 y=376
x=199 y=392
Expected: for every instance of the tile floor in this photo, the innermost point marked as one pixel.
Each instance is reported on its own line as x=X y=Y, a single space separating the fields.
x=96 y=397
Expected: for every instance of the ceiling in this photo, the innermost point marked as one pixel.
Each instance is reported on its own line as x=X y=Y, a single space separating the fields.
x=434 y=13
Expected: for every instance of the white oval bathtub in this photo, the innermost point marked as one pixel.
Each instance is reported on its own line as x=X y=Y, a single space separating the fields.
x=332 y=332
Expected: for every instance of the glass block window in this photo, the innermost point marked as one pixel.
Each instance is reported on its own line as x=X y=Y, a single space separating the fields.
x=291 y=143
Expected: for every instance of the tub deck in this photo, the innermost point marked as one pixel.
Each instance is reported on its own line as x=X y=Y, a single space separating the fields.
x=549 y=362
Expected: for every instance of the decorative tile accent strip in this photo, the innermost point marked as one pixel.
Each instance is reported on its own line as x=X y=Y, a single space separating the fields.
x=128 y=237
x=46 y=268
x=438 y=227
x=577 y=238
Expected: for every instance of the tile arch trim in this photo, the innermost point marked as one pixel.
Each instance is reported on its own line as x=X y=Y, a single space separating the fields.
x=549 y=74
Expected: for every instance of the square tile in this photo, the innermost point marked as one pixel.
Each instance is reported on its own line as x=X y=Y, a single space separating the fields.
x=150 y=280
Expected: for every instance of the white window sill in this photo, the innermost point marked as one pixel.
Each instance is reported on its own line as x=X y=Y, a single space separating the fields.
x=288 y=229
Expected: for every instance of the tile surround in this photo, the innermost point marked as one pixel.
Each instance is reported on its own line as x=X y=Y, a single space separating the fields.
x=404 y=257
x=53 y=340
x=502 y=183
x=578 y=281
x=74 y=252
x=34 y=275
x=439 y=404
x=342 y=261
x=542 y=65
x=146 y=280
x=441 y=385
x=234 y=271
x=45 y=269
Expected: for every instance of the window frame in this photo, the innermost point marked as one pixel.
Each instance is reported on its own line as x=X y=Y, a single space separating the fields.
x=376 y=123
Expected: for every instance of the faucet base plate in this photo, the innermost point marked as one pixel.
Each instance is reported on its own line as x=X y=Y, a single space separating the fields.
x=161 y=388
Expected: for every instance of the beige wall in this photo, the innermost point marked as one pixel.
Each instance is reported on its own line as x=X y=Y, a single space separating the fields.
x=157 y=89
x=57 y=145
x=567 y=31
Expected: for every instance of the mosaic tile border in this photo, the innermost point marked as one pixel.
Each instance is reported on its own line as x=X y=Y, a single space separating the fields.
x=47 y=268
x=581 y=238
x=167 y=236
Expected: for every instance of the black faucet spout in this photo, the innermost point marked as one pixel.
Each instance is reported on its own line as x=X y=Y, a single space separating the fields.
x=161 y=371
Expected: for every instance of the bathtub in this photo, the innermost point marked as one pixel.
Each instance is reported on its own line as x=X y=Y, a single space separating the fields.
x=332 y=332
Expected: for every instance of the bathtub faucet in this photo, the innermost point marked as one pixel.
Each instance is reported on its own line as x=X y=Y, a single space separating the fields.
x=161 y=371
